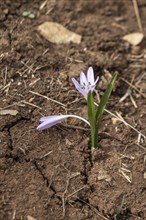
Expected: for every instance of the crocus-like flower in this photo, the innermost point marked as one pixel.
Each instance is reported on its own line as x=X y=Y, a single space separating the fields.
x=86 y=83
x=50 y=121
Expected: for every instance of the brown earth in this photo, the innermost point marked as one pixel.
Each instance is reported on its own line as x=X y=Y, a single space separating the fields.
x=53 y=174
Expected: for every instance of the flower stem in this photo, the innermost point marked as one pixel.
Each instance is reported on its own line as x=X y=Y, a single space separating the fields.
x=79 y=117
x=94 y=139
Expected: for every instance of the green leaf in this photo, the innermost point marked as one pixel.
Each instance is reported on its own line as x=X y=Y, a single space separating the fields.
x=91 y=109
x=104 y=99
x=26 y=13
x=31 y=16
x=91 y=118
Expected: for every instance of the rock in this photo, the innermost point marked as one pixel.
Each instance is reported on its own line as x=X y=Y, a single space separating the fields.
x=8 y=112
x=102 y=175
x=56 y=33
x=30 y=218
x=134 y=38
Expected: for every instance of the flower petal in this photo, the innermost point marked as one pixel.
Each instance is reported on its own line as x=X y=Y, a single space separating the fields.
x=75 y=82
x=79 y=87
x=90 y=75
x=49 y=121
x=92 y=87
x=96 y=80
x=83 y=79
x=46 y=118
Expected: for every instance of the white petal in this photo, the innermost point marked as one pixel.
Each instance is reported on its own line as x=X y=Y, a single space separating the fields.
x=96 y=80
x=79 y=87
x=90 y=75
x=75 y=82
x=83 y=79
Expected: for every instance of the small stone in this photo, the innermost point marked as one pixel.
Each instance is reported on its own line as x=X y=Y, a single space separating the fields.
x=56 y=33
x=30 y=218
x=134 y=38
x=102 y=175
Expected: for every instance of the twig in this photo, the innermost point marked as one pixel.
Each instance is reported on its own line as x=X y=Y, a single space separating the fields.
x=21 y=105
x=141 y=77
x=127 y=124
x=75 y=192
x=135 y=5
x=74 y=127
x=133 y=101
x=6 y=86
x=46 y=154
x=8 y=106
x=14 y=215
x=125 y=175
x=139 y=145
x=63 y=196
x=127 y=156
x=128 y=93
x=43 y=5
x=28 y=67
x=143 y=95
x=122 y=120
x=38 y=94
x=93 y=208
x=28 y=103
x=5 y=76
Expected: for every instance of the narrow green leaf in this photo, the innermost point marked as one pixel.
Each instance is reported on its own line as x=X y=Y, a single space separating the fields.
x=91 y=117
x=91 y=109
x=104 y=99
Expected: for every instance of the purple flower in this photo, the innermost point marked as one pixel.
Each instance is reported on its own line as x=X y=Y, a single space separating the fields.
x=86 y=83
x=50 y=121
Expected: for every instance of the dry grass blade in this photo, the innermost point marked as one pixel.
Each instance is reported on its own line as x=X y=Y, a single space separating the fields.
x=133 y=101
x=122 y=120
x=127 y=156
x=28 y=103
x=46 y=154
x=131 y=85
x=141 y=146
x=43 y=5
x=128 y=178
x=93 y=209
x=127 y=124
x=6 y=86
x=75 y=192
x=74 y=127
x=38 y=94
x=21 y=104
x=135 y=5
x=63 y=196
x=128 y=93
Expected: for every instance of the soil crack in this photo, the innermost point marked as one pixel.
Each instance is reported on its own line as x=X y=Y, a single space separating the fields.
x=8 y=127
x=47 y=183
